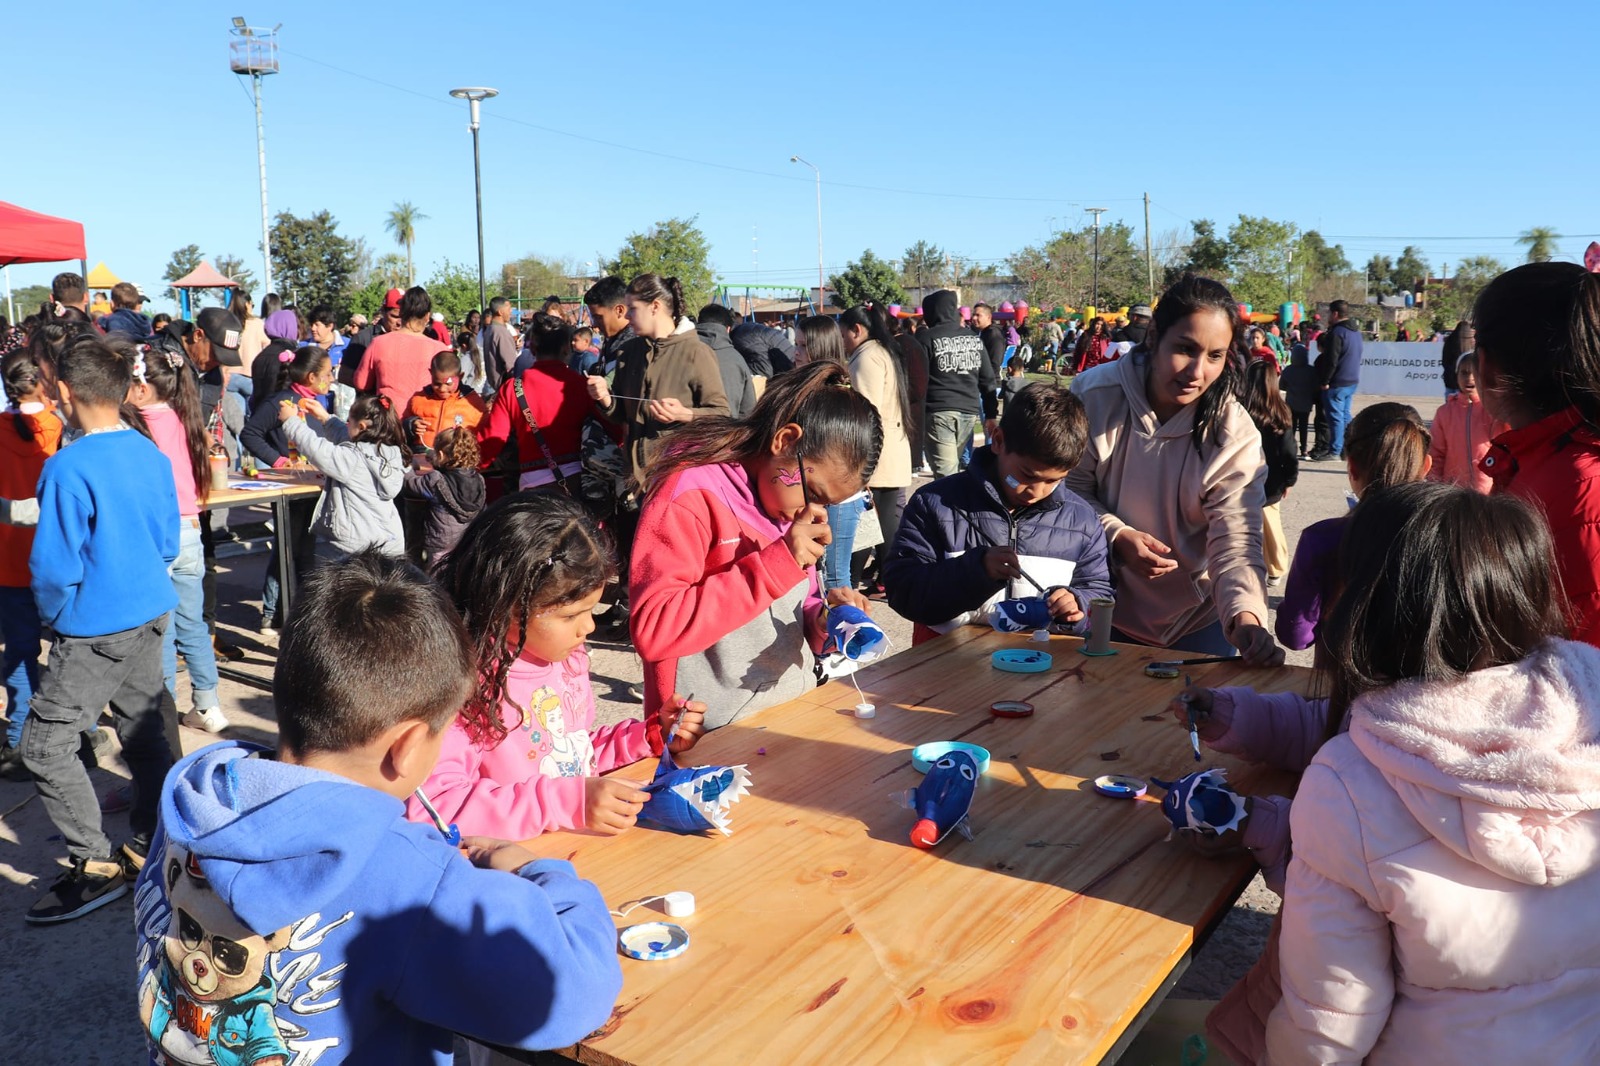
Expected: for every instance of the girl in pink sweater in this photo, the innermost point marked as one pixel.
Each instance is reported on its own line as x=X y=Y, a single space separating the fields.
x=523 y=756
x=1447 y=830
x=1462 y=431
x=168 y=396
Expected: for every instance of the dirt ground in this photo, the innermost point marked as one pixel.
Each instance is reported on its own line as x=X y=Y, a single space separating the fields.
x=70 y=993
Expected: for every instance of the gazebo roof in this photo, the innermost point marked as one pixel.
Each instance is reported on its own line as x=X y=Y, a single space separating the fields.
x=205 y=276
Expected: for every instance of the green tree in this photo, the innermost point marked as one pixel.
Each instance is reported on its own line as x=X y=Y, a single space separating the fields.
x=1321 y=260
x=543 y=276
x=401 y=223
x=867 y=280
x=1060 y=271
x=1452 y=301
x=27 y=299
x=454 y=291
x=183 y=260
x=1260 y=253
x=1540 y=242
x=312 y=262
x=232 y=266
x=923 y=264
x=674 y=248
x=1380 y=276
x=1410 y=270
x=1207 y=254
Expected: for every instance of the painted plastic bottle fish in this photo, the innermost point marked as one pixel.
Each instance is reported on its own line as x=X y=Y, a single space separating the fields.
x=944 y=799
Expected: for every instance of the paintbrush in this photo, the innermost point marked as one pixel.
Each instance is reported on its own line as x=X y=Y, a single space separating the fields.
x=1194 y=727
x=1195 y=662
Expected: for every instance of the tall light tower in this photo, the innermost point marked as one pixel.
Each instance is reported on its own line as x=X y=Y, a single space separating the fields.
x=1096 y=212
x=255 y=53
x=475 y=95
x=822 y=289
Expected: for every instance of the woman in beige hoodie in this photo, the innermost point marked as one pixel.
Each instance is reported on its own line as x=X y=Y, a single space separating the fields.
x=1175 y=470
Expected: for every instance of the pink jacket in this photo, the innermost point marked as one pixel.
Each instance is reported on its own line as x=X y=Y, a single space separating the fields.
x=532 y=781
x=1441 y=898
x=1461 y=435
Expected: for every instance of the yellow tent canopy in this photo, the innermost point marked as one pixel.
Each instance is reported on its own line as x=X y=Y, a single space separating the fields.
x=100 y=277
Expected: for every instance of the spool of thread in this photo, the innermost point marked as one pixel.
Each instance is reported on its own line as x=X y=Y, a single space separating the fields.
x=1100 y=612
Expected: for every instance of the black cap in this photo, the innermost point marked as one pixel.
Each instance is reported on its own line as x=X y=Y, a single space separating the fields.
x=222 y=329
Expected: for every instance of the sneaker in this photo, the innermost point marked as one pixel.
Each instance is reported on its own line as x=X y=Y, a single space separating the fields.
x=117 y=800
x=133 y=855
x=11 y=765
x=211 y=719
x=89 y=885
x=1320 y=457
x=1273 y=582
x=228 y=652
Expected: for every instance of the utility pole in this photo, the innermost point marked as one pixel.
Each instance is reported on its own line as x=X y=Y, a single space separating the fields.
x=822 y=286
x=1096 y=212
x=256 y=53
x=519 y=297
x=1149 y=263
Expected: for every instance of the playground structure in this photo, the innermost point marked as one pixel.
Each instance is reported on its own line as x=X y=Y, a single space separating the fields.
x=743 y=300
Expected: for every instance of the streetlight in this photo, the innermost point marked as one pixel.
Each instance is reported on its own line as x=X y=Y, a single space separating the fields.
x=474 y=95
x=822 y=292
x=519 y=297
x=256 y=53
x=1096 y=212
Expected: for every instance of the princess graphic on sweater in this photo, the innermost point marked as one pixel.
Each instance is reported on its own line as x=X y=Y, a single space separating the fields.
x=525 y=756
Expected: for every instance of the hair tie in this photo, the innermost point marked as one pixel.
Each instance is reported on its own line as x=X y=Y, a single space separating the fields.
x=60 y=309
x=138 y=365
x=385 y=403
x=1591 y=257
x=174 y=360
x=286 y=356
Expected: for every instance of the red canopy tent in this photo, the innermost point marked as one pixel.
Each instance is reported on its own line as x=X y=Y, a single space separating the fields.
x=29 y=237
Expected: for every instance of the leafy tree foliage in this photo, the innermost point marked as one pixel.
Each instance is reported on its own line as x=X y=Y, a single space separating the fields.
x=233 y=267
x=1060 y=271
x=867 y=280
x=312 y=263
x=923 y=264
x=454 y=290
x=675 y=248
x=1380 y=276
x=1540 y=242
x=183 y=260
x=1410 y=270
x=1260 y=252
x=543 y=276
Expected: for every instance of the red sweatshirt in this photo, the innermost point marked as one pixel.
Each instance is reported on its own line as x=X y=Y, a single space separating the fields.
x=1555 y=463
x=721 y=610
x=558 y=398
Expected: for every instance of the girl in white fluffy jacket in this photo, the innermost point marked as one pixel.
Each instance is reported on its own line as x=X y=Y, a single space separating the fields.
x=1441 y=896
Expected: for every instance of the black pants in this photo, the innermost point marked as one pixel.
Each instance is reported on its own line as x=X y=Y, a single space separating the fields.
x=1302 y=424
x=1323 y=426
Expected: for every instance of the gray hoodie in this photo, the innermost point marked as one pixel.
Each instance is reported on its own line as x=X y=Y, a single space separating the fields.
x=357 y=509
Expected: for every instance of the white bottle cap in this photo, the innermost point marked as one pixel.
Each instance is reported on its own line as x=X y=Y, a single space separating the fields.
x=866 y=710
x=678 y=904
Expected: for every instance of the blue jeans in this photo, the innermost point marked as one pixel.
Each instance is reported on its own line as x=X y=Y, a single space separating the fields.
x=19 y=627
x=842 y=521
x=188 y=632
x=1339 y=400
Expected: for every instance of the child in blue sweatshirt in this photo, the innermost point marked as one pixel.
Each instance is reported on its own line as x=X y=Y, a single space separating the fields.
x=290 y=913
x=972 y=539
x=108 y=530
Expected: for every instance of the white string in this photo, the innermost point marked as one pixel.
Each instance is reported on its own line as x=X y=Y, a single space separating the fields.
x=635 y=905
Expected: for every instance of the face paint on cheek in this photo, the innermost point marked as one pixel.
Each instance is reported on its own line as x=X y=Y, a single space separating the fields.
x=1013 y=484
x=787 y=478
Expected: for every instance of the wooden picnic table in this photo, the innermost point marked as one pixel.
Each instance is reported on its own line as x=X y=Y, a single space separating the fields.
x=822 y=935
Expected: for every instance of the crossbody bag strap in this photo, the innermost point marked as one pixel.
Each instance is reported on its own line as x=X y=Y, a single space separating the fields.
x=538 y=437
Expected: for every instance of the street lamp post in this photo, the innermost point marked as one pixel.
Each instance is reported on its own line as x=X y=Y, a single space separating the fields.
x=519 y=297
x=1096 y=212
x=474 y=95
x=822 y=291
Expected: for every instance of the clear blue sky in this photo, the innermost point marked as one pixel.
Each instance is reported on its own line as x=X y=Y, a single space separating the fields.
x=1453 y=126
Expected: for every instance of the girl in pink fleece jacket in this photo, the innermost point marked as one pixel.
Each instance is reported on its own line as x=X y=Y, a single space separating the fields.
x=1447 y=832
x=523 y=756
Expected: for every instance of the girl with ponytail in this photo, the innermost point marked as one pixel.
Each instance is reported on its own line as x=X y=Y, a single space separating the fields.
x=1538 y=335
x=723 y=583
x=165 y=392
x=365 y=464
x=667 y=376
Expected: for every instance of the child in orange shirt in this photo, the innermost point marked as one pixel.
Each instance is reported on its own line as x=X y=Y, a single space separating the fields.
x=30 y=432
x=442 y=404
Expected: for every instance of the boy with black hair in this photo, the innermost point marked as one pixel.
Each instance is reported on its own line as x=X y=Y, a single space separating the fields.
x=972 y=539
x=125 y=316
x=108 y=530
x=290 y=910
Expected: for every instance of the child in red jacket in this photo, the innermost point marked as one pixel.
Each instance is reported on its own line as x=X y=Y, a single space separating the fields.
x=723 y=579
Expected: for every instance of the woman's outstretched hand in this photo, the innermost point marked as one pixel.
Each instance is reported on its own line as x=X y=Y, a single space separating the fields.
x=1142 y=554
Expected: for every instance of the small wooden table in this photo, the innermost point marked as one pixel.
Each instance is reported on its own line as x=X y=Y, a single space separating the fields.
x=276 y=487
x=822 y=935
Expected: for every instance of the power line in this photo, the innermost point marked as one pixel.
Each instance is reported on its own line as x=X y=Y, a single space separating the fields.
x=500 y=116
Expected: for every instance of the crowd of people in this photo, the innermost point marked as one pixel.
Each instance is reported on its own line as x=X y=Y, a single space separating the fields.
x=488 y=489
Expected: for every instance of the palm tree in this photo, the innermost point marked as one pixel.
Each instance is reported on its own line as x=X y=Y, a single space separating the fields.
x=402 y=223
x=1541 y=243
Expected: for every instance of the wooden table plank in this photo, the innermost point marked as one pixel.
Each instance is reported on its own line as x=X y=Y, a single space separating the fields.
x=819 y=928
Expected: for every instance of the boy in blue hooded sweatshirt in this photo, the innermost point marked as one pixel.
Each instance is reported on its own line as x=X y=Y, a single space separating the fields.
x=290 y=913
